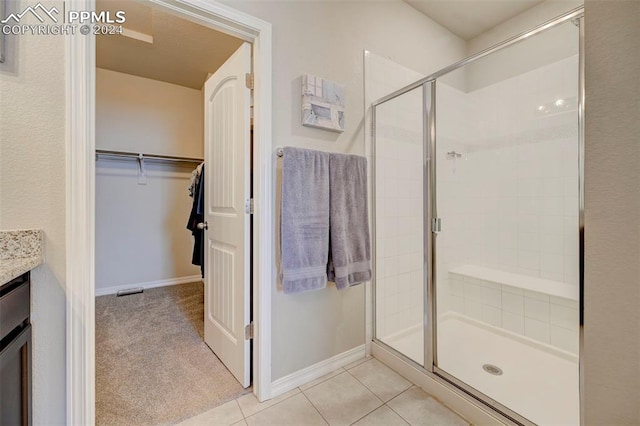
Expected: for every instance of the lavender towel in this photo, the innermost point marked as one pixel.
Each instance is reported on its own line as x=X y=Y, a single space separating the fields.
x=304 y=225
x=350 y=253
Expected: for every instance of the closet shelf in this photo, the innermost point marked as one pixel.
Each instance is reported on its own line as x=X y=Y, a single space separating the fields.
x=149 y=157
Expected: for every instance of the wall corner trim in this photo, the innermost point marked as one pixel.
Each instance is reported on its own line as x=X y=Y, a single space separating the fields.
x=80 y=223
x=319 y=369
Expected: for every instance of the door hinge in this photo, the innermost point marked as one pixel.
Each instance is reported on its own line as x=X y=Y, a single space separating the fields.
x=248 y=78
x=248 y=331
x=249 y=206
x=436 y=225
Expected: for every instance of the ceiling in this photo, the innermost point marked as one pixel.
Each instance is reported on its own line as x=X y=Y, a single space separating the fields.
x=470 y=18
x=182 y=52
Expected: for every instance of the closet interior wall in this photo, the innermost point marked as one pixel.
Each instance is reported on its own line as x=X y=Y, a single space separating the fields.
x=141 y=235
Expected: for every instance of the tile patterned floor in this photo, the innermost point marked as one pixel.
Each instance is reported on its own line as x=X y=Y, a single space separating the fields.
x=365 y=392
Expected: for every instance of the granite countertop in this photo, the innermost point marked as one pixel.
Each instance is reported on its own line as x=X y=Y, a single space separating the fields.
x=20 y=251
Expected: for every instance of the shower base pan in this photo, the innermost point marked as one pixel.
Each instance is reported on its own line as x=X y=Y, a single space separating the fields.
x=538 y=381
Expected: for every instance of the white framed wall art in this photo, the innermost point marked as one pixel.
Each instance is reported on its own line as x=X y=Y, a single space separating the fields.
x=322 y=103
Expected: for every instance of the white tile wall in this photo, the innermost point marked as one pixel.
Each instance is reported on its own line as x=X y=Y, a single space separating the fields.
x=511 y=202
x=548 y=319
x=398 y=198
x=537 y=330
x=513 y=322
x=512 y=303
x=536 y=309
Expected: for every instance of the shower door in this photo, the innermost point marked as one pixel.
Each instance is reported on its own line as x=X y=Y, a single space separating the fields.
x=506 y=259
x=398 y=217
x=477 y=212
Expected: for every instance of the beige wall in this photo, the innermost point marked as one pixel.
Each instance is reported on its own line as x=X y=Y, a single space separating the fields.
x=544 y=49
x=612 y=213
x=142 y=115
x=327 y=39
x=520 y=23
x=141 y=234
x=140 y=229
x=32 y=185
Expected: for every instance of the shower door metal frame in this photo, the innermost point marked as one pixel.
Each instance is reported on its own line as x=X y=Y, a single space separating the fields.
x=430 y=212
x=428 y=84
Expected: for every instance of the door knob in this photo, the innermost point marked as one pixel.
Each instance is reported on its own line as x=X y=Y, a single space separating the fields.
x=203 y=225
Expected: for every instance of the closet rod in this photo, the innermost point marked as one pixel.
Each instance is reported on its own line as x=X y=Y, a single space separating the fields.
x=152 y=157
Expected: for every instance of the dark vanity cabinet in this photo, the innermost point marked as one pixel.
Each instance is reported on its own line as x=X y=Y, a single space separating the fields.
x=15 y=352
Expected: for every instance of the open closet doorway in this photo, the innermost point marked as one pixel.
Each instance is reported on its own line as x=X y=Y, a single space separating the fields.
x=174 y=241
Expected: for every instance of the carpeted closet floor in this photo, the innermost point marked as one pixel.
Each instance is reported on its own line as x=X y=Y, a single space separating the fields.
x=152 y=366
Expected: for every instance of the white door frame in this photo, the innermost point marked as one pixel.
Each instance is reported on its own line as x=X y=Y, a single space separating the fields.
x=80 y=197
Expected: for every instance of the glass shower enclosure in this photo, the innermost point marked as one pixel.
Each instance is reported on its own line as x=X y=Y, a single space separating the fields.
x=478 y=224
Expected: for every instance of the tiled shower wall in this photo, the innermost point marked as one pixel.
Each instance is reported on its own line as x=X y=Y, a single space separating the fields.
x=548 y=319
x=511 y=201
x=398 y=198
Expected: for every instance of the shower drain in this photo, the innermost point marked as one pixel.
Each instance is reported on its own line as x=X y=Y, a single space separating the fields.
x=492 y=369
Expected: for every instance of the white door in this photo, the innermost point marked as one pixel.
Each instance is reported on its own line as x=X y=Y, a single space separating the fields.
x=227 y=187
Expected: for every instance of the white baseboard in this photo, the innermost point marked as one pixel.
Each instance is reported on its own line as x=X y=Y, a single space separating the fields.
x=301 y=377
x=149 y=284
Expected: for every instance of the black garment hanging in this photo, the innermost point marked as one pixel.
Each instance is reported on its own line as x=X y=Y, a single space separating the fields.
x=197 y=216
